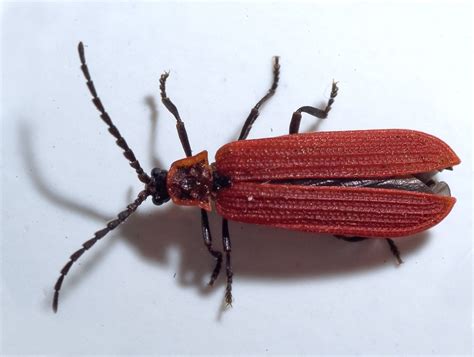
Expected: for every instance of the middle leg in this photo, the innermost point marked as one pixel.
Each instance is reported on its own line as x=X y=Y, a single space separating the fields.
x=253 y=115
x=227 y=250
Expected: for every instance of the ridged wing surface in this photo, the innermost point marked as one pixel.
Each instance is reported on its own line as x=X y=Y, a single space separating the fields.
x=336 y=210
x=339 y=154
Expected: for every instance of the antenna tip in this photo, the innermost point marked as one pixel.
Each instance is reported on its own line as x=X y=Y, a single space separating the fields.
x=80 y=49
x=55 y=302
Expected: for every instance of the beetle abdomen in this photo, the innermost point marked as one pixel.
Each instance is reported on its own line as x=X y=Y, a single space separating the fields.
x=366 y=212
x=336 y=154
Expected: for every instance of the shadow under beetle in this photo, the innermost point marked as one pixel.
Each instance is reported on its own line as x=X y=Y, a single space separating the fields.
x=352 y=184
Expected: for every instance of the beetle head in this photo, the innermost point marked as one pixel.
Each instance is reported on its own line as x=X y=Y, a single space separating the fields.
x=157 y=186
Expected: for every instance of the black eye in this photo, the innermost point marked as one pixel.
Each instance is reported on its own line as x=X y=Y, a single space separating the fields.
x=160 y=194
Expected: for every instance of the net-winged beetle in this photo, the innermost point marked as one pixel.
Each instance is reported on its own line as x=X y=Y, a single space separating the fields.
x=352 y=184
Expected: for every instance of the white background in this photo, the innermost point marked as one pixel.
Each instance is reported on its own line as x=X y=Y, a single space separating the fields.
x=142 y=289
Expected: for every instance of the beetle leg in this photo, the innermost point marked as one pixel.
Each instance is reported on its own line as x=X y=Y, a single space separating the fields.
x=254 y=113
x=350 y=239
x=183 y=135
x=206 y=235
x=318 y=113
x=228 y=266
x=393 y=247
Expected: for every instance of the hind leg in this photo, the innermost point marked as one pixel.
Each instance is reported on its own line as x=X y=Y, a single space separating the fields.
x=316 y=112
x=391 y=244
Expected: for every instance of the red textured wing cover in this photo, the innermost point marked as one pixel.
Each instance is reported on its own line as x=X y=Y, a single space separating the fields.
x=366 y=212
x=335 y=154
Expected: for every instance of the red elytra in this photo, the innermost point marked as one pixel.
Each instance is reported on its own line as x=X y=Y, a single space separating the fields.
x=365 y=212
x=264 y=185
x=335 y=154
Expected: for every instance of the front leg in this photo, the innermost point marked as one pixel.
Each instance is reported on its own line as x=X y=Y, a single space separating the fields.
x=183 y=137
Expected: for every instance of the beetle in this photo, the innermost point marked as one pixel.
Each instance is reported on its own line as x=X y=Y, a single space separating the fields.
x=351 y=184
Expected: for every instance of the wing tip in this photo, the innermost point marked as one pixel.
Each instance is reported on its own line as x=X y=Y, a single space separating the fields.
x=445 y=207
x=448 y=157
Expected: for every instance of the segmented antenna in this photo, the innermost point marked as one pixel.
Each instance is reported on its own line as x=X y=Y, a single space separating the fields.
x=120 y=141
x=121 y=217
x=129 y=155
